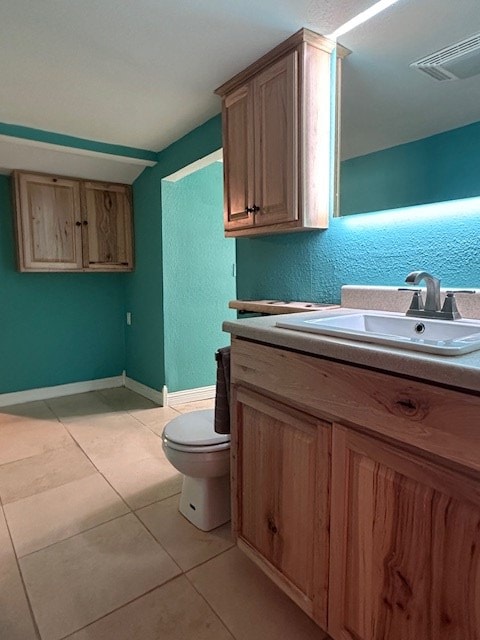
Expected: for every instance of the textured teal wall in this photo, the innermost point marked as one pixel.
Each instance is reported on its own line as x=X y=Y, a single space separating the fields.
x=376 y=248
x=55 y=328
x=145 y=359
x=434 y=169
x=198 y=277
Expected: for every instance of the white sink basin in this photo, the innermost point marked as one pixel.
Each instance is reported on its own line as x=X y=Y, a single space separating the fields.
x=446 y=337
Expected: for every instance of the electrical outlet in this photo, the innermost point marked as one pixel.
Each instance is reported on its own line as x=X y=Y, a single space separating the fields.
x=129 y=317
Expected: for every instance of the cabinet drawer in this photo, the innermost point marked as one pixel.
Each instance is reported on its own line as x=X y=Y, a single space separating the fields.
x=437 y=420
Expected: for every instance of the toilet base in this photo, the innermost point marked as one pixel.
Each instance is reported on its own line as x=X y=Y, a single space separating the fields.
x=206 y=501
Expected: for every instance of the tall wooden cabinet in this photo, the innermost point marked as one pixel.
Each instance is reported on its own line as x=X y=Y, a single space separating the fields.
x=64 y=224
x=277 y=126
x=387 y=527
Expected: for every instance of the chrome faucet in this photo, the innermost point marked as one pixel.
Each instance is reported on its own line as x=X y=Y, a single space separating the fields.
x=432 y=307
x=432 y=302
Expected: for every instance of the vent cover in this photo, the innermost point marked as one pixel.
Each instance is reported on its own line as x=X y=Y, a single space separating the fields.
x=457 y=61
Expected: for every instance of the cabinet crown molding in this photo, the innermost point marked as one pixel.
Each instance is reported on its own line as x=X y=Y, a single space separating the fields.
x=301 y=36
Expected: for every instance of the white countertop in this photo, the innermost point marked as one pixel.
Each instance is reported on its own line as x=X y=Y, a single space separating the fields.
x=462 y=372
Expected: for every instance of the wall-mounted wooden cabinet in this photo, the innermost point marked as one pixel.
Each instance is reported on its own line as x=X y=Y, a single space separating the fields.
x=277 y=140
x=63 y=224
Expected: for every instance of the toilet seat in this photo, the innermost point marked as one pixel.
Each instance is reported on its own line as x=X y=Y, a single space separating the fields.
x=194 y=433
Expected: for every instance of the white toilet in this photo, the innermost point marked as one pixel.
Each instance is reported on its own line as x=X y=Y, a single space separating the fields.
x=203 y=456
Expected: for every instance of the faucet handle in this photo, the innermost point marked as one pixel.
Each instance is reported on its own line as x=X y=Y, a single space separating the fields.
x=417 y=301
x=454 y=291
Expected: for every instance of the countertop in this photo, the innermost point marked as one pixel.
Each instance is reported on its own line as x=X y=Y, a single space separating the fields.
x=461 y=372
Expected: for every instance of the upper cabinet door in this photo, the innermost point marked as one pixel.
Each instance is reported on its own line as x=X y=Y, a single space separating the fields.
x=107 y=215
x=405 y=555
x=276 y=142
x=238 y=158
x=49 y=233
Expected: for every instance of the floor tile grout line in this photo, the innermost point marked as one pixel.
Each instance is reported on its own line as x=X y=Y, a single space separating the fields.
x=158 y=542
x=74 y=535
x=159 y=586
x=63 y=446
x=19 y=569
x=97 y=469
x=209 y=605
x=125 y=502
x=125 y=604
x=220 y=553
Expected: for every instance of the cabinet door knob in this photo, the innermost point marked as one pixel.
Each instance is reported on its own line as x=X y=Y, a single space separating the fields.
x=248 y=209
x=85 y=222
x=255 y=208
x=78 y=223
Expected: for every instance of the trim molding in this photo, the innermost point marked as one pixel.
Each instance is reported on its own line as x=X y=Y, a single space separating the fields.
x=143 y=390
x=73 y=142
x=78 y=151
x=45 y=393
x=216 y=156
x=190 y=395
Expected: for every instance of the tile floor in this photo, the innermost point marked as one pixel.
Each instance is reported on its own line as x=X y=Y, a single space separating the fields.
x=92 y=546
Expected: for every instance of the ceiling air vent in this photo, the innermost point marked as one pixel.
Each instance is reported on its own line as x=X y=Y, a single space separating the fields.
x=458 y=61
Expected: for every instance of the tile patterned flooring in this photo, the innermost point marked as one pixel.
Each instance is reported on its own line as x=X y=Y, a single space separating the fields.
x=92 y=546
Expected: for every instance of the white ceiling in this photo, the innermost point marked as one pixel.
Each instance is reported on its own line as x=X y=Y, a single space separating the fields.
x=139 y=73
x=142 y=73
x=384 y=102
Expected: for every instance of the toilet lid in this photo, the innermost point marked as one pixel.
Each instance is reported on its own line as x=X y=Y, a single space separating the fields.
x=195 y=429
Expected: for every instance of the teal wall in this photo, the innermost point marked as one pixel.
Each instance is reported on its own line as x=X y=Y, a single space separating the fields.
x=145 y=358
x=370 y=249
x=55 y=328
x=434 y=169
x=198 y=277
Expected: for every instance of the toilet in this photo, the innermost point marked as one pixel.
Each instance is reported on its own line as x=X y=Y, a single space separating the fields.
x=194 y=448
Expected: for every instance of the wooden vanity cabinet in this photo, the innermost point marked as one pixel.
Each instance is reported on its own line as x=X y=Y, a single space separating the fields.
x=395 y=517
x=64 y=224
x=276 y=140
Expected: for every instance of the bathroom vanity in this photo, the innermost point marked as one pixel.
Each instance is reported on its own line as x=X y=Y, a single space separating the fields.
x=356 y=480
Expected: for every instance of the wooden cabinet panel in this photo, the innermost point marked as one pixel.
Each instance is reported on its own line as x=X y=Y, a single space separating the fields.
x=66 y=224
x=238 y=158
x=440 y=421
x=405 y=553
x=281 y=484
x=108 y=214
x=275 y=95
x=48 y=221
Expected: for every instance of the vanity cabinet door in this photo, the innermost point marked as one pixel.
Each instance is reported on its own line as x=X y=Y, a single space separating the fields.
x=280 y=474
x=405 y=552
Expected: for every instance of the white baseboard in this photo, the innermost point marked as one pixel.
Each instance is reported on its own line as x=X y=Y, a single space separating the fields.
x=143 y=390
x=44 y=393
x=163 y=398
x=190 y=395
